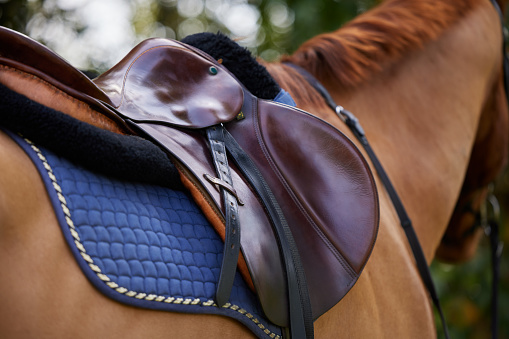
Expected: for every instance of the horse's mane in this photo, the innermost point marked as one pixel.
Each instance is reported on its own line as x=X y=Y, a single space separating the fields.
x=367 y=44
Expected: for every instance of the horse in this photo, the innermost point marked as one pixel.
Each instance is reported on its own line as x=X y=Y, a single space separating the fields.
x=425 y=80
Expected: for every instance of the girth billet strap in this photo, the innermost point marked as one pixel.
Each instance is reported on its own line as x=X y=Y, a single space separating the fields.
x=301 y=318
x=223 y=144
x=489 y=218
x=353 y=123
x=215 y=135
x=495 y=244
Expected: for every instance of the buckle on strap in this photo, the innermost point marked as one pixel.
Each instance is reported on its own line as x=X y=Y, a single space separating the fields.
x=350 y=119
x=489 y=212
x=215 y=135
x=224 y=185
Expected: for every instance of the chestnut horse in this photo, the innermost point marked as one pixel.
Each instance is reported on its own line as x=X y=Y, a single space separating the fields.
x=424 y=78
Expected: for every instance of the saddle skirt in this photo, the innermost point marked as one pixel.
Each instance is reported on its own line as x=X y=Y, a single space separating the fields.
x=171 y=93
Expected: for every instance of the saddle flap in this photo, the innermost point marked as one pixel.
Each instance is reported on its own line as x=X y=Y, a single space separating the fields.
x=164 y=82
x=325 y=189
x=327 y=176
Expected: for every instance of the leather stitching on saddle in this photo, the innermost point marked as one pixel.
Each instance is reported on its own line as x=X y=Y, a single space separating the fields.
x=122 y=290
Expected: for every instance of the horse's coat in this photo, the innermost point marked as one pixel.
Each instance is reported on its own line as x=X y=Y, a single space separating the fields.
x=421 y=110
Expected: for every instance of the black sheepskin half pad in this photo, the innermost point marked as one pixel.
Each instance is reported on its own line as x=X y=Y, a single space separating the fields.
x=121 y=156
x=238 y=60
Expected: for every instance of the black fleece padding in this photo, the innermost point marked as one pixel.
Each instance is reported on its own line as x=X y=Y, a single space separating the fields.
x=237 y=60
x=124 y=157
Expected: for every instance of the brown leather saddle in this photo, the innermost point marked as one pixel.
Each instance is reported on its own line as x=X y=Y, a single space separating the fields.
x=289 y=190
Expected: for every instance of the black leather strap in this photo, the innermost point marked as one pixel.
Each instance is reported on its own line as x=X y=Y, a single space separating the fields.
x=231 y=250
x=495 y=244
x=353 y=123
x=496 y=247
x=489 y=218
x=301 y=318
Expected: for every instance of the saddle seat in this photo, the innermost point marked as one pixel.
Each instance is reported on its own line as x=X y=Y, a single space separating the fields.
x=170 y=93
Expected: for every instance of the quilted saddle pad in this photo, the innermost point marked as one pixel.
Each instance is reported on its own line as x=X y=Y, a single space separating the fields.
x=142 y=245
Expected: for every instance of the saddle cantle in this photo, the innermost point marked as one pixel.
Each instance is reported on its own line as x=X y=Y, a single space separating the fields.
x=181 y=99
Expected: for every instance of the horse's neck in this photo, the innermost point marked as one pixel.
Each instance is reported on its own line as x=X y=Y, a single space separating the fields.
x=421 y=116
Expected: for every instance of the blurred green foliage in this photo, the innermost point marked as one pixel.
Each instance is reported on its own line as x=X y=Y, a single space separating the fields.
x=269 y=28
x=465 y=289
x=95 y=34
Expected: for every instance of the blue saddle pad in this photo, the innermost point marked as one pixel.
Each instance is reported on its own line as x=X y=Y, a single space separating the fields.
x=142 y=245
